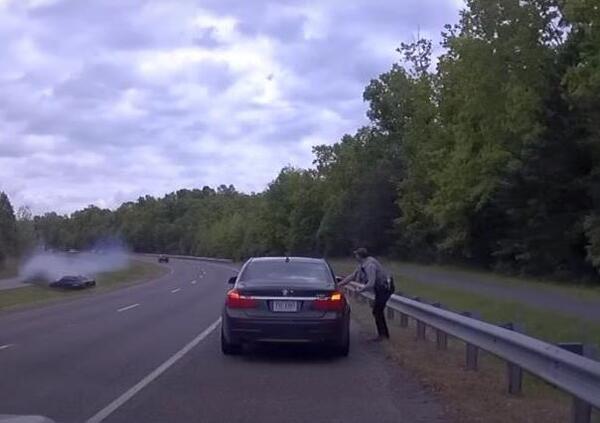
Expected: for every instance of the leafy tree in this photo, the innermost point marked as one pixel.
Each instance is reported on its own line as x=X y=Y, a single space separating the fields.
x=8 y=229
x=489 y=156
x=25 y=230
x=583 y=83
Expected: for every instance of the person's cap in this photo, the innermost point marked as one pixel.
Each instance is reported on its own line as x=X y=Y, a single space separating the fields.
x=361 y=252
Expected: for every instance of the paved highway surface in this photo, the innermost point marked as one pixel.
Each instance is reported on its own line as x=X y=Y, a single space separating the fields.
x=150 y=353
x=563 y=303
x=11 y=283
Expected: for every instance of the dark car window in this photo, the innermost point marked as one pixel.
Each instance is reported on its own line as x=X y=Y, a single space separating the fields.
x=281 y=271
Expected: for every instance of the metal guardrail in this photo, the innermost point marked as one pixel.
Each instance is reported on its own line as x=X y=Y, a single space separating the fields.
x=181 y=257
x=575 y=374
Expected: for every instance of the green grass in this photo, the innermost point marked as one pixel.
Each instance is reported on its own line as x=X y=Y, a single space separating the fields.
x=135 y=272
x=9 y=268
x=573 y=288
x=545 y=325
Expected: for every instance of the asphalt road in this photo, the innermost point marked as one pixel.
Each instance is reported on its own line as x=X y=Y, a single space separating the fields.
x=588 y=309
x=150 y=353
x=11 y=283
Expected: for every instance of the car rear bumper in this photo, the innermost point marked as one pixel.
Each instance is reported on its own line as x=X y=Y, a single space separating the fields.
x=281 y=330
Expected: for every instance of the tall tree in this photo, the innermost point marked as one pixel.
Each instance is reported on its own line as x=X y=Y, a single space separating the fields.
x=8 y=229
x=583 y=84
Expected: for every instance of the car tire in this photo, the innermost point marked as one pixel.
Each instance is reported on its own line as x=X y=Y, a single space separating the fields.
x=228 y=348
x=342 y=349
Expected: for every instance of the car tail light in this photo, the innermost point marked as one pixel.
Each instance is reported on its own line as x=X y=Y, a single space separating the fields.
x=334 y=302
x=236 y=300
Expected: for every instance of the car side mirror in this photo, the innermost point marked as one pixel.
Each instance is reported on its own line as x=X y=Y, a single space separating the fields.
x=338 y=279
x=231 y=280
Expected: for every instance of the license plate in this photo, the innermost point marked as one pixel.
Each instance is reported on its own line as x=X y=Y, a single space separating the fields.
x=285 y=306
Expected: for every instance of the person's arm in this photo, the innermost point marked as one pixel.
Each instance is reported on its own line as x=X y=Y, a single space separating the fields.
x=351 y=277
x=371 y=275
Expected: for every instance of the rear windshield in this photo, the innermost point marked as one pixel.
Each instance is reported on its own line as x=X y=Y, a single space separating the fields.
x=292 y=272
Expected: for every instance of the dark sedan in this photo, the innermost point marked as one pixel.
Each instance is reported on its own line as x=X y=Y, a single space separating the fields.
x=74 y=282
x=285 y=300
x=163 y=259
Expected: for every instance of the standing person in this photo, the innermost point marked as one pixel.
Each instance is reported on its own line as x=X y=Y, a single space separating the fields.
x=375 y=278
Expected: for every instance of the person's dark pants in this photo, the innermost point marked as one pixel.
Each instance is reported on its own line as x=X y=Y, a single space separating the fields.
x=381 y=298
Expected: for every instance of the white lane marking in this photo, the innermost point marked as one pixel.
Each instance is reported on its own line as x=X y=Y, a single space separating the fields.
x=129 y=307
x=193 y=282
x=3 y=347
x=110 y=408
x=171 y=271
x=175 y=290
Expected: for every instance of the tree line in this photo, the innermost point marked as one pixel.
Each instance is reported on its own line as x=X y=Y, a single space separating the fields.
x=487 y=154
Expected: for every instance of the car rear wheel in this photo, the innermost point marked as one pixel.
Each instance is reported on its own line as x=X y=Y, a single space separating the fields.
x=228 y=348
x=342 y=349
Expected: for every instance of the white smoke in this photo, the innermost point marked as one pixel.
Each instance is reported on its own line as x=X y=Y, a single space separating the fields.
x=46 y=267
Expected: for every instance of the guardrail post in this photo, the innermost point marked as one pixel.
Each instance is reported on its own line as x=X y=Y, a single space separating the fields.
x=581 y=411
x=441 y=338
x=515 y=378
x=472 y=357
x=403 y=320
x=472 y=352
x=421 y=328
x=390 y=313
x=514 y=372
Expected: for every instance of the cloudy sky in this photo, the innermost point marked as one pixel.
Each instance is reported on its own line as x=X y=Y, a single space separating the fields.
x=102 y=101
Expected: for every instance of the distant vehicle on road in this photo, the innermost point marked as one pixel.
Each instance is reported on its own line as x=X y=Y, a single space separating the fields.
x=163 y=259
x=74 y=282
x=72 y=251
x=285 y=300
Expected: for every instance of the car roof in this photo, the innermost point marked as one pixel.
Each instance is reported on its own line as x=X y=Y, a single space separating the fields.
x=290 y=259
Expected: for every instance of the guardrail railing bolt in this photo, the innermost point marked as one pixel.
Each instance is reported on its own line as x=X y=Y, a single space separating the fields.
x=581 y=411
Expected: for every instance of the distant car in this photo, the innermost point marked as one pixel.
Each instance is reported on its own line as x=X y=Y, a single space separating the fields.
x=285 y=300
x=74 y=282
x=163 y=259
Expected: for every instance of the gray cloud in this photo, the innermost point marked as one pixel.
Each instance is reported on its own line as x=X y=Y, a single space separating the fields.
x=101 y=102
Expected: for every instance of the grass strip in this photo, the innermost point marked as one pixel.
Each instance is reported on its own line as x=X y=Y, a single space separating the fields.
x=137 y=271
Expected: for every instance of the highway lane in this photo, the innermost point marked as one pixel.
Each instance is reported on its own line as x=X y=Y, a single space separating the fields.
x=12 y=283
x=68 y=360
x=71 y=361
